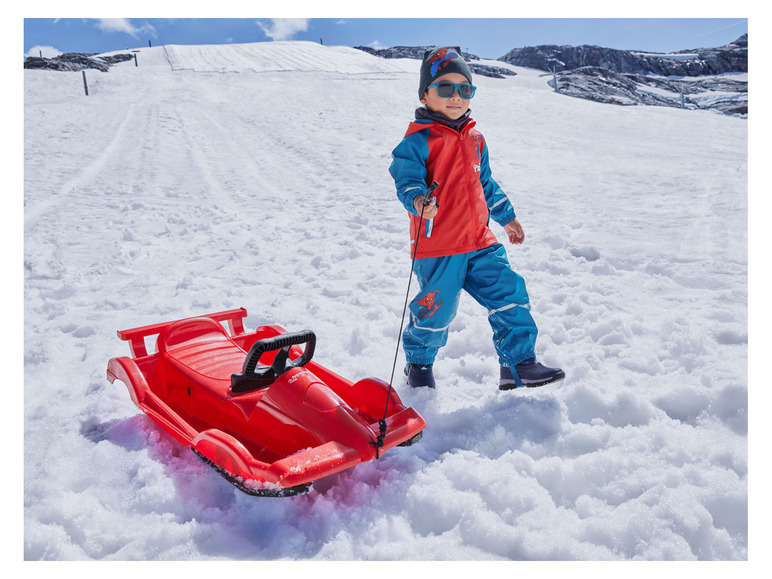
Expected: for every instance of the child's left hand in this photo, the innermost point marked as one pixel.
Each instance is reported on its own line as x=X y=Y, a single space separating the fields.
x=515 y=232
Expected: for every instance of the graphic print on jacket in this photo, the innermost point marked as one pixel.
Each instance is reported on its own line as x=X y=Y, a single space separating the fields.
x=468 y=196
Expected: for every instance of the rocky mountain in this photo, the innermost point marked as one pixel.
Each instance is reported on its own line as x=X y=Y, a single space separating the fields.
x=694 y=79
x=697 y=62
x=718 y=93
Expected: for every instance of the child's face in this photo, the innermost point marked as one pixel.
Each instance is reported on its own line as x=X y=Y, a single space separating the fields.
x=453 y=107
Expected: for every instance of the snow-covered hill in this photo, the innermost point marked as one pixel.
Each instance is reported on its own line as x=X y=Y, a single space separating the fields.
x=213 y=177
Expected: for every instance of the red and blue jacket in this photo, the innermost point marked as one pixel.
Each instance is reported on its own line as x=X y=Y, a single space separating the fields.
x=467 y=196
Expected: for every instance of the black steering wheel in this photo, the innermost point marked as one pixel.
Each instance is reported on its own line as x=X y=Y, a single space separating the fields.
x=253 y=377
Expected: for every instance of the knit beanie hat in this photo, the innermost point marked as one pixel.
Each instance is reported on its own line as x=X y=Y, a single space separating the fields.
x=439 y=61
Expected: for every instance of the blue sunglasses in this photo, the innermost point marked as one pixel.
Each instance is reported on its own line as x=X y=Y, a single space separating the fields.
x=448 y=89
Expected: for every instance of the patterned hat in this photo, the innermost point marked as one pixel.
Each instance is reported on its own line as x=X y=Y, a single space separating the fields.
x=439 y=61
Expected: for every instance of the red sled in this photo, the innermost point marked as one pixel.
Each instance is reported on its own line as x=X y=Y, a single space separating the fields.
x=255 y=406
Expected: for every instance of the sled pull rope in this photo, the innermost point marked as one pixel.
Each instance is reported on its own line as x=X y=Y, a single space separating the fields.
x=382 y=423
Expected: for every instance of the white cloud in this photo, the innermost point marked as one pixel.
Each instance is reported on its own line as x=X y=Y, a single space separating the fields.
x=123 y=25
x=46 y=51
x=283 y=28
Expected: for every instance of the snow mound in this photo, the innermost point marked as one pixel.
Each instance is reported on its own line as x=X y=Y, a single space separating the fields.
x=281 y=56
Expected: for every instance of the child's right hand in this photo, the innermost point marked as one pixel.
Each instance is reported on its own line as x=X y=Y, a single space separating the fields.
x=429 y=211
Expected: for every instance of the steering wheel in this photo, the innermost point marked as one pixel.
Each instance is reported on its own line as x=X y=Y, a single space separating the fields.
x=253 y=377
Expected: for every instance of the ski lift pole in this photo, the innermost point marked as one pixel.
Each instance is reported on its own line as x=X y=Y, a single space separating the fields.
x=428 y=199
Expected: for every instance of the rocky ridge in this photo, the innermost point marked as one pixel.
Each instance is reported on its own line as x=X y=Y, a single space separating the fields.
x=717 y=93
x=692 y=79
x=731 y=58
x=75 y=61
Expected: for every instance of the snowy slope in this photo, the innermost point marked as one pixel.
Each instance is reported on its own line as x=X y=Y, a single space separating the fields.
x=292 y=56
x=213 y=177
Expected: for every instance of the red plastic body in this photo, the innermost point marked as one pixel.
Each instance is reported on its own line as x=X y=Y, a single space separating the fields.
x=308 y=424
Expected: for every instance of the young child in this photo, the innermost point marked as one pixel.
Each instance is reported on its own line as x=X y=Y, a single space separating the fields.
x=456 y=248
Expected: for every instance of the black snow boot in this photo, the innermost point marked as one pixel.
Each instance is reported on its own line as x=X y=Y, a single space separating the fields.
x=420 y=376
x=529 y=373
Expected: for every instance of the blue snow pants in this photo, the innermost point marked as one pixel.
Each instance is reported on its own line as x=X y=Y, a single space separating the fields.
x=485 y=275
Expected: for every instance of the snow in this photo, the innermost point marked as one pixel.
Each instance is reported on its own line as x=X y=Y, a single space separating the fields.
x=256 y=176
x=670 y=56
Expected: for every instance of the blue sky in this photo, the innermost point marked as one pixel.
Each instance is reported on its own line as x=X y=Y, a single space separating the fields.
x=485 y=37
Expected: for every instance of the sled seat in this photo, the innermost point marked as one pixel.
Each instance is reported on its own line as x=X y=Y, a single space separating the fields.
x=201 y=349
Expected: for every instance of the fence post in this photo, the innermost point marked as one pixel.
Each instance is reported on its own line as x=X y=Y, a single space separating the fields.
x=135 y=59
x=85 y=84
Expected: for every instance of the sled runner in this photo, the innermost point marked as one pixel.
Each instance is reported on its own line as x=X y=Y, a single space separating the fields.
x=255 y=406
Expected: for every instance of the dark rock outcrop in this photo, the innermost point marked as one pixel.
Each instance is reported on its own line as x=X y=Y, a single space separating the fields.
x=75 y=61
x=721 y=94
x=699 y=62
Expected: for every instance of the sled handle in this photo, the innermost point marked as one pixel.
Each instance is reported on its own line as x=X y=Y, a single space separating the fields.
x=253 y=377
